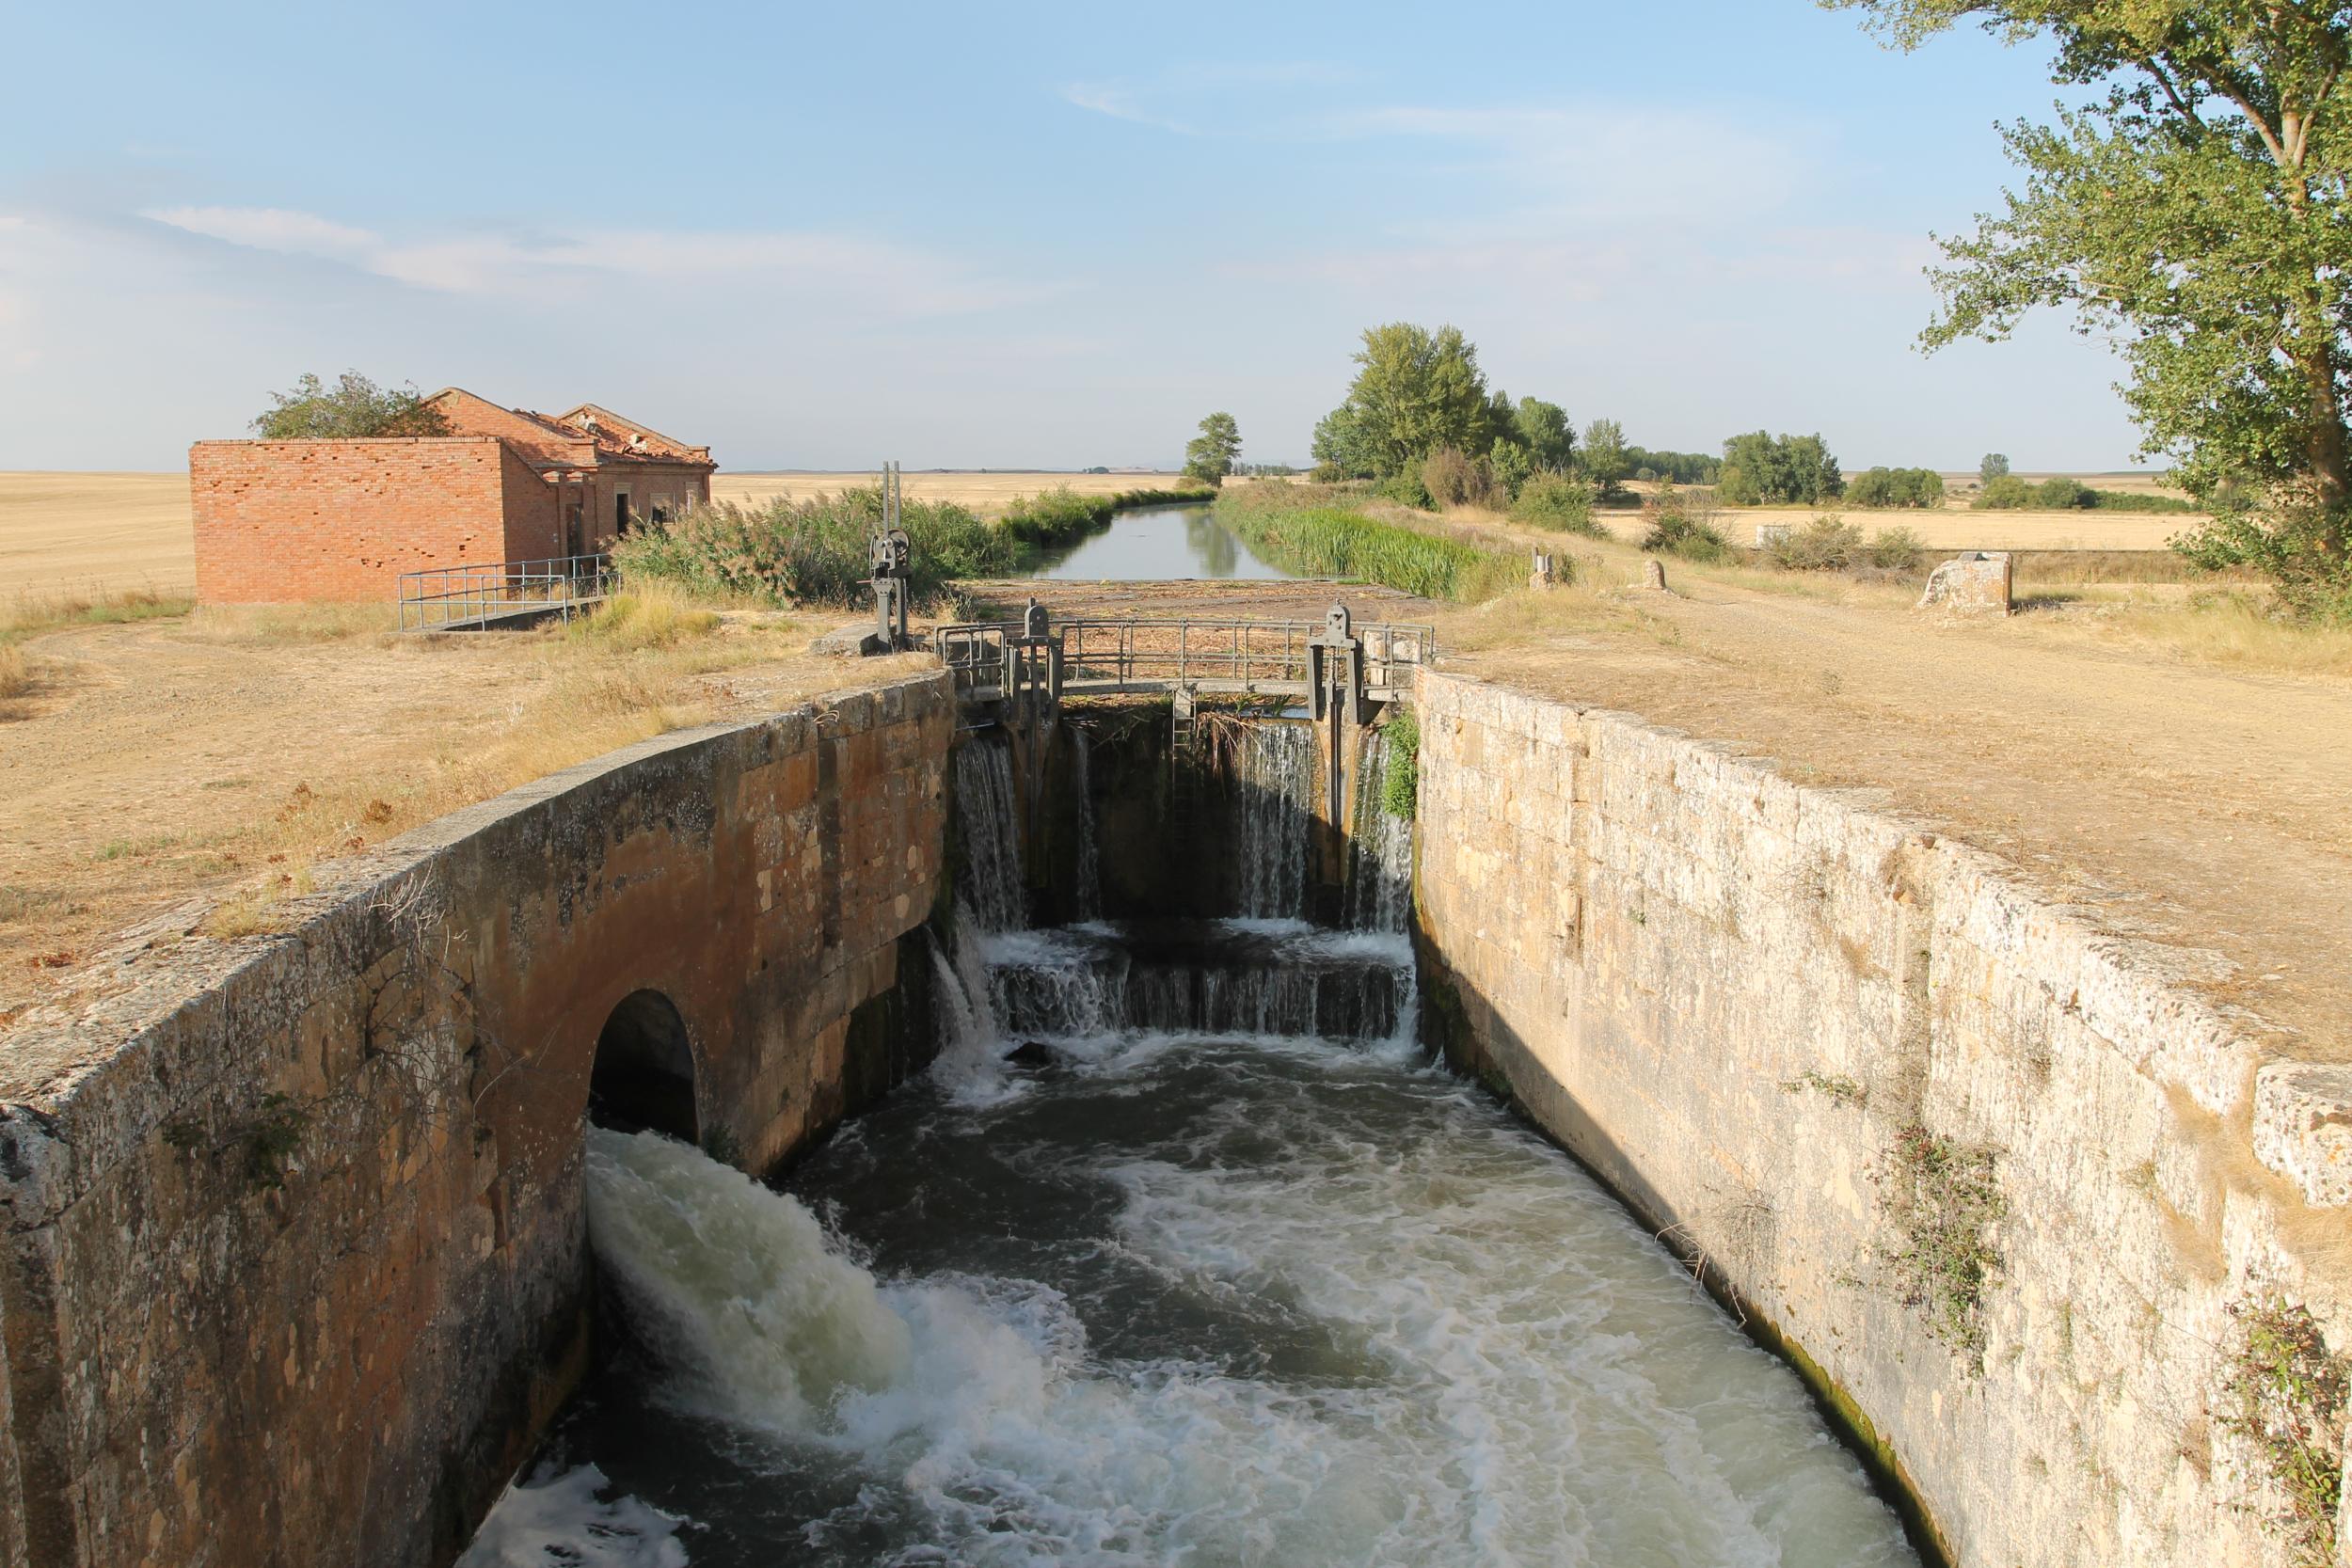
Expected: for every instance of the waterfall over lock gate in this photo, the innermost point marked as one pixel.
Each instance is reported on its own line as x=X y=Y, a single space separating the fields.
x=1259 y=968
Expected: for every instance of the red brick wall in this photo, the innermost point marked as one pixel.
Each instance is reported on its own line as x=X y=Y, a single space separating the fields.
x=534 y=528
x=469 y=415
x=279 y=521
x=645 y=482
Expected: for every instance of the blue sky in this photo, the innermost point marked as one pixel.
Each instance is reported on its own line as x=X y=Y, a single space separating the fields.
x=1045 y=235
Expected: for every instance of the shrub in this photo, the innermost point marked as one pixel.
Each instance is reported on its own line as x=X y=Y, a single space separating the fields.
x=1557 y=500
x=813 y=551
x=2005 y=493
x=1897 y=549
x=1823 y=545
x=1453 y=478
x=1895 y=487
x=2063 y=494
x=1684 y=523
x=1512 y=465
x=1405 y=490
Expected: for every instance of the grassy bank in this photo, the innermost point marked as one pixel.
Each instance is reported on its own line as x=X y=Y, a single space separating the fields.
x=1061 y=516
x=1320 y=532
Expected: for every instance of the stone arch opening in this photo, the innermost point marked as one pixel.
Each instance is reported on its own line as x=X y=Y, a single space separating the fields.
x=644 y=1076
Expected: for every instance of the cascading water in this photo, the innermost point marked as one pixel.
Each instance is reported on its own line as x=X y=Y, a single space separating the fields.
x=988 y=824
x=1380 y=848
x=1234 y=1279
x=1275 y=773
x=1087 y=898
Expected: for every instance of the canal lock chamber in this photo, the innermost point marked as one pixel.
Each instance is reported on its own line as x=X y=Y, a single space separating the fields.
x=1180 y=1249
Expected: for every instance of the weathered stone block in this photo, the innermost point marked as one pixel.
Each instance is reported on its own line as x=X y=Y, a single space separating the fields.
x=1977 y=583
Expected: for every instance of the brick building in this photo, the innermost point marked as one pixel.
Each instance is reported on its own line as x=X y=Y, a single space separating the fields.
x=341 y=519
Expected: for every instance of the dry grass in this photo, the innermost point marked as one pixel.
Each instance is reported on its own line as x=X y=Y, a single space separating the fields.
x=2221 y=628
x=29 y=614
x=16 y=672
x=656 y=615
x=291 y=624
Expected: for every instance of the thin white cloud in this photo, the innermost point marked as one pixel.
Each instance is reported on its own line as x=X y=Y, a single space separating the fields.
x=272 y=229
x=1119 y=104
x=1622 y=161
x=891 y=280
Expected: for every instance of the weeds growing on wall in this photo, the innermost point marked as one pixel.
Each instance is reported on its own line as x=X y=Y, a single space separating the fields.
x=1947 y=1198
x=1399 y=778
x=1325 y=540
x=2286 y=1396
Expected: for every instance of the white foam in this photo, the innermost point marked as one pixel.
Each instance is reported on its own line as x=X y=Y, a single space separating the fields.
x=1542 y=1386
x=557 y=1521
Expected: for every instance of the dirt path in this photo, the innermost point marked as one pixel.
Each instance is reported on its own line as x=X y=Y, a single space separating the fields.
x=2202 y=808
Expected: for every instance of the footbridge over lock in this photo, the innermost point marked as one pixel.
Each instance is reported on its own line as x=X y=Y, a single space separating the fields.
x=1016 y=673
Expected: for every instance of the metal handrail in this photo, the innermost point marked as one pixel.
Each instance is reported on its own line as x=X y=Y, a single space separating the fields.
x=1117 y=652
x=471 y=597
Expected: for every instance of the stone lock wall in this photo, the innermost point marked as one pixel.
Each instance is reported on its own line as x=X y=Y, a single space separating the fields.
x=1819 y=1048
x=295 y=1261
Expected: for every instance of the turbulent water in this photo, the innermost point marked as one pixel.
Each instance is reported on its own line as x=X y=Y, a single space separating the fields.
x=1187 y=1300
x=1231 y=1277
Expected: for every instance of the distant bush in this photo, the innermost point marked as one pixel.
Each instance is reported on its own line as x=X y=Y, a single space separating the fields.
x=1895 y=487
x=1683 y=523
x=1557 y=500
x=1763 y=469
x=2009 y=493
x=1823 y=545
x=1897 y=549
x=2005 y=493
x=1684 y=467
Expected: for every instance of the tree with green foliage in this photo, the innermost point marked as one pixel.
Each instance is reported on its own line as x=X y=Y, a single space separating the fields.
x=354 y=406
x=2194 y=212
x=1996 y=463
x=1415 y=392
x=1208 y=457
x=1762 y=469
x=1895 y=487
x=1511 y=464
x=1544 y=430
x=1603 y=460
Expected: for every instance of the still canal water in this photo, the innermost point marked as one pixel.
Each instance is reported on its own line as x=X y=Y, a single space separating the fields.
x=1159 y=544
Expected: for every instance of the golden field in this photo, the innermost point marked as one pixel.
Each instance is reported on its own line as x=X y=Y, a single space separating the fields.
x=84 y=532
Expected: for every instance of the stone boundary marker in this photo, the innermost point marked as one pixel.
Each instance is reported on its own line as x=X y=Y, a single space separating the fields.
x=1977 y=583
